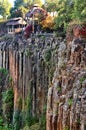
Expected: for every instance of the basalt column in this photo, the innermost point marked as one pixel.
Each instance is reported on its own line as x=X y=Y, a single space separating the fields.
x=66 y=103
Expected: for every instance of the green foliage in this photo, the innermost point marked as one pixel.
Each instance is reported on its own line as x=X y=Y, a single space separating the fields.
x=79 y=12
x=3 y=75
x=20 y=12
x=47 y=55
x=30 y=119
x=64 y=9
x=2 y=126
x=69 y=11
x=5 y=128
x=70 y=101
x=19 y=9
x=25 y=128
x=51 y=71
x=42 y=122
x=17 y=120
x=82 y=79
x=34 y=122
x=67 y=128
x=50 y=1
x=42 y=119
x=34 y=127
x=10 y=79
x=58 y=88
x=18 y=115
x=7 y=102
x=37 y=2
x=78 y=121
x=28 y=52
x=20 y=103
x=18 y=3
x=8 y=97
x=3 y=71
x=23 y=10
x=5 y=8
x=1 y=121
x=51 y=6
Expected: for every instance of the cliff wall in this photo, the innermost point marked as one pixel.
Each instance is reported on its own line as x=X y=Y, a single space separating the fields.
x=46 y=71
x=31 y=65
x=66 y=105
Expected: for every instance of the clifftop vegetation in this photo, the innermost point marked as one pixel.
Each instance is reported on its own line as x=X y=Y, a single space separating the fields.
x=67 y=10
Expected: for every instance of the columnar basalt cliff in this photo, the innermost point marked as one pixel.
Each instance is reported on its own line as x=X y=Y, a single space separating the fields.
x=30 y=64
x=45 y=71
x=66 y=105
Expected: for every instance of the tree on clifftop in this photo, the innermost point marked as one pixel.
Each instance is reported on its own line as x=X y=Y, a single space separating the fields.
x=68 y=11
x=37 y=2
x=18 y=3
x=79 y=12
x=5 y=8
x=19 y=9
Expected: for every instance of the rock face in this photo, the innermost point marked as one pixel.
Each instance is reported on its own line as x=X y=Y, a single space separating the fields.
x=29 y=63
x=66 y=104
x=51 y=71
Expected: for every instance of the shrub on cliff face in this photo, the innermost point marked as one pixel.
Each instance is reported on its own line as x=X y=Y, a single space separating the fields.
x=8 y=97
x=3 y=75
x=67 y=128
x=1 y=121
x=17 y=120
x=47 y=56
x=42 y=122
x=33 y=127
x=32 y=120
x=5 y=128
x=29 y=118
x=2 y=126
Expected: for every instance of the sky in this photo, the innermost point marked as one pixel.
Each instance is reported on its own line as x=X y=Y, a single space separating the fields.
x=12 y=1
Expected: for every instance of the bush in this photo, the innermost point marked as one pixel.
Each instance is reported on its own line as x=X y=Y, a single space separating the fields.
x=8 y=98
x=34 y=127
x=1 y=121
x=47 y=55
x=17 y=120
x=32 y=120
x=43 y=122
x=3 y=75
